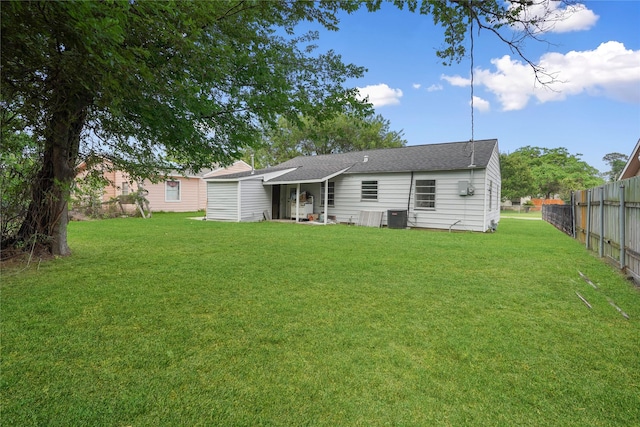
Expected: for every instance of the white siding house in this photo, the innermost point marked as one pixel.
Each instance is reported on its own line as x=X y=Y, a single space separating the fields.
x=446 y=186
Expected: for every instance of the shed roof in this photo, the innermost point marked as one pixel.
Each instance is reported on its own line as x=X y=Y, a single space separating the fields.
x=416 y=158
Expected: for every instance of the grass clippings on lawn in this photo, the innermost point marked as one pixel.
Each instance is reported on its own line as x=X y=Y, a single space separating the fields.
x=170 y=321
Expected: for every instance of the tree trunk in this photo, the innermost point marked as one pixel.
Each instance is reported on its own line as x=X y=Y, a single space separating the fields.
x=47 y=217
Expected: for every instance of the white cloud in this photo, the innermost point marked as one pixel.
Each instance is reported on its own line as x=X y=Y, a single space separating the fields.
x=434 y=88
x=610 y=70
x=416 y=85
x=551 y=17
x=456 y=80
x=480 y=104
x=513 y=82
x=575 y=17
x=381 y=95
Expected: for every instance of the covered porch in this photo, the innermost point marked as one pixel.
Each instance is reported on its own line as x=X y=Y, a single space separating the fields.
x=303 y=201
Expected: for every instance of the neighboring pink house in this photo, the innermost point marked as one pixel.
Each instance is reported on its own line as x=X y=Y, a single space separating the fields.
x=178 y=193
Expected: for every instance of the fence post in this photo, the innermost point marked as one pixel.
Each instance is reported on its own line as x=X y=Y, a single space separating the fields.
x=601 y=249
x=573 y=214
x=622 y=230
x=588 y=236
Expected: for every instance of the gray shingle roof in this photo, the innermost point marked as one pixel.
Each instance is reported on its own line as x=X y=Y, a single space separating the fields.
x=416 y=158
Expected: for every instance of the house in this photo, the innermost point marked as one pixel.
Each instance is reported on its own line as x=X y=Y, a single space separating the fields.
x=445 y=186
x=177 y=193
x=632 y=168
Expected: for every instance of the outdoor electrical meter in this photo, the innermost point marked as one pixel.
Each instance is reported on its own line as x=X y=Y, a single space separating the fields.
x=465 y=189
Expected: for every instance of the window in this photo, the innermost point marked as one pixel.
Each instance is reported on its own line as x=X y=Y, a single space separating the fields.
x=332 y=187
x=172 y=191
x=125 y=188
x=369 y=190
x=425 y=194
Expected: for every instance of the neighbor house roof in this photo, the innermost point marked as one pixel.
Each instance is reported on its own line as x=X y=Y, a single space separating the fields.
x=632 y=168
x=416 y=158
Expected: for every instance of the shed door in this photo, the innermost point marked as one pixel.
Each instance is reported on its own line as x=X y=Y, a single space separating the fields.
x=222 y=201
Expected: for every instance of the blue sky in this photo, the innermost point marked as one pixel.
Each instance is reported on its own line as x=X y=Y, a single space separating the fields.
x=593 y=110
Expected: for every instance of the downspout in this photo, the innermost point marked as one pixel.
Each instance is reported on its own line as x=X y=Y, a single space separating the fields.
x=472 y=164
x=326 y=201
x=239 y=197
x=409 y=198
x=472 y=185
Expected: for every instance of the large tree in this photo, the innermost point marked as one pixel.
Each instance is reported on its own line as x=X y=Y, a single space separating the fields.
x=517 y=180
x=140 y=82
x=555 y=171
x=617 y=162
x=309 y=136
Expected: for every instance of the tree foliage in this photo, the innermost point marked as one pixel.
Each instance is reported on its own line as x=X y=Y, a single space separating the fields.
x=617 y=162
x=517 y=180
x=19 y=164
x=309 y=136
x=141 y=82
x=554 y=171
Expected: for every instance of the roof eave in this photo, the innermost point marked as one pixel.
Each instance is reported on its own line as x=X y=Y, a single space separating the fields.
x=306 y=181
x=476 y=167
x=633 y=161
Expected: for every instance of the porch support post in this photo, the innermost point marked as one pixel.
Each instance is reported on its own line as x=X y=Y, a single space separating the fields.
x=298 y=202
x=326 y=201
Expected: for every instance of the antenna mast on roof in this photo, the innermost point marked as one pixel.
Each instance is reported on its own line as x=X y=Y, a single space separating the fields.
x=472 y=164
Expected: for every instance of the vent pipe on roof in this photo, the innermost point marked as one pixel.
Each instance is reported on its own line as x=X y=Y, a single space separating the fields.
x=253 y=170
x=366 y=158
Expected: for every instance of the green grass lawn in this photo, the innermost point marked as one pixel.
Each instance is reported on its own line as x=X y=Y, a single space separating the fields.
x=170 y=321
x=521 y=214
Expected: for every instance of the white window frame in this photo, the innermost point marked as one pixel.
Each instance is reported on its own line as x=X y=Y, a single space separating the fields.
x=369 y=191
x=167 y=185
x=125 y=188
x=425 y=188
x=332 y=191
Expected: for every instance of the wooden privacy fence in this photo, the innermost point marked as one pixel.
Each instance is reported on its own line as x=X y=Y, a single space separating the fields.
x=606 y=219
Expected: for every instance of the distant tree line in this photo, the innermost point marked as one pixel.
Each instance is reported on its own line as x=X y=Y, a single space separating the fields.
x=550 y=172
x=308 y=136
